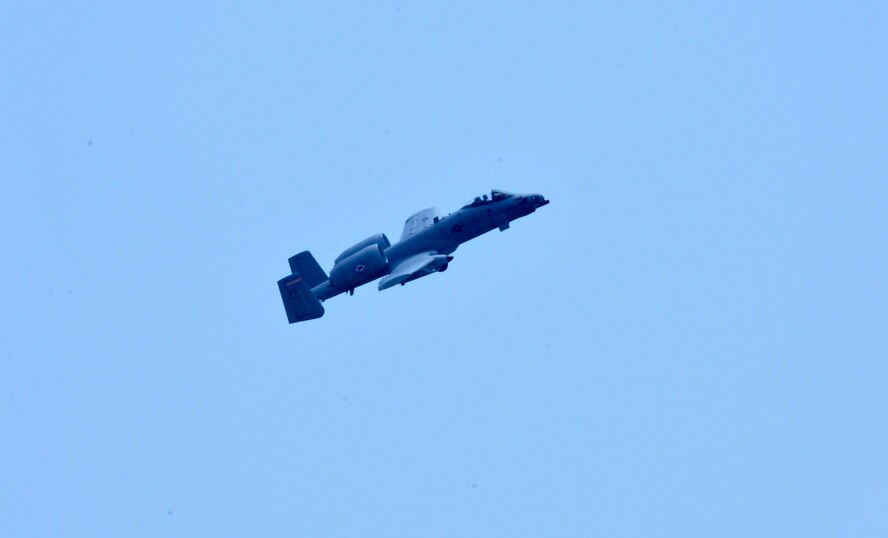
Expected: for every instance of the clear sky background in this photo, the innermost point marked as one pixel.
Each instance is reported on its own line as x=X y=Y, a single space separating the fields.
x=689 y=341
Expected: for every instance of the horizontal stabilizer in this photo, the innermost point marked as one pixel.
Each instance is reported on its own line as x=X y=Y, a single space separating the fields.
x=304 y=264
x=299 y=302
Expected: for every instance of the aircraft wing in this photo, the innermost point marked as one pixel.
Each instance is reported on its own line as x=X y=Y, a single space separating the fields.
x=419 y=221
x=416 y=266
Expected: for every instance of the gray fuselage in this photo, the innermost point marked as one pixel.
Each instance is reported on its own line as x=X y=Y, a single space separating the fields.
x=445 y=234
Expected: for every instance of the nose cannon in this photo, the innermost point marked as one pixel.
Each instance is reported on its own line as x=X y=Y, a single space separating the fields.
x=536 y=200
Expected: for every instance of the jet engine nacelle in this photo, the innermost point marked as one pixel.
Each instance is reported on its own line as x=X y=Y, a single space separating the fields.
x=379 y=239
x=358 y=268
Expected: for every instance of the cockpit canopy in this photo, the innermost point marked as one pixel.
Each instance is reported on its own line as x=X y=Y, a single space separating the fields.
x=495 y=196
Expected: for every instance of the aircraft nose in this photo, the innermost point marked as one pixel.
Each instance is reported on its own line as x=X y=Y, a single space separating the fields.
x=537 y=200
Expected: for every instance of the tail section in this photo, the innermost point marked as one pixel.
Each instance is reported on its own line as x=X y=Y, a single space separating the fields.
x=304 y=264
x=299 y=301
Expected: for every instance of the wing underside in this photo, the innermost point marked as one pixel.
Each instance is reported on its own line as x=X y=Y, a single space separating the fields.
x=414 y=267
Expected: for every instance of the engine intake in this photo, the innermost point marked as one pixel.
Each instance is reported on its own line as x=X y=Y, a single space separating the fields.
x=359 y=267
x=379 y=239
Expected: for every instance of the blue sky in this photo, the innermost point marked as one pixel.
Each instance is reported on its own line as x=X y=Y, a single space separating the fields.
x=689 y=341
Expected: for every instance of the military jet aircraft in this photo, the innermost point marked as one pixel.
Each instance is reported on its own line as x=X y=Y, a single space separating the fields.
x=425 y=247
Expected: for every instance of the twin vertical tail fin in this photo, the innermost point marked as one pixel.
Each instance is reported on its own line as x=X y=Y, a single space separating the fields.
x=300 y=302
x=304 y=264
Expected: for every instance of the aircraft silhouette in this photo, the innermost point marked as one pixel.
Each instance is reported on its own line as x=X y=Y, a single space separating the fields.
x=425 y=247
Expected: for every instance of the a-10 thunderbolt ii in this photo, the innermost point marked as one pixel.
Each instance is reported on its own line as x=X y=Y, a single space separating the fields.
x=425 y=247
